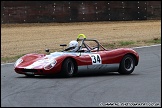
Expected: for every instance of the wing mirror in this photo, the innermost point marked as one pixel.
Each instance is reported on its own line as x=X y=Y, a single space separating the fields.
x=47 y=50
x=63 y=45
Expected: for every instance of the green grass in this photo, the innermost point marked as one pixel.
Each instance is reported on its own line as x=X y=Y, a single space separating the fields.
x=110 y=45
x=155 y=40
x=132 y=43
x=126 y=43
x=107 y=45
x=10 y=59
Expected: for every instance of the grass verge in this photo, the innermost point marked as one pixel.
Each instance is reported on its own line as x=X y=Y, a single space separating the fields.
x=108 y=46
x=10 y=59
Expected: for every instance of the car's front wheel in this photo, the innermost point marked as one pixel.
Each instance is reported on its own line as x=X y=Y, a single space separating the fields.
x=68 y=68
x=127 y=65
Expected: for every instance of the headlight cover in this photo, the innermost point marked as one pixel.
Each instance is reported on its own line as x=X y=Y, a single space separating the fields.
x=50 y=65
x=20 y=60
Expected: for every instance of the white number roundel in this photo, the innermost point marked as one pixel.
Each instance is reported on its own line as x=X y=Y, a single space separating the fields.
x=96 y=59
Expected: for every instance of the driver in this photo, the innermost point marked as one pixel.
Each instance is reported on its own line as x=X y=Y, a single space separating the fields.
x=73 y=45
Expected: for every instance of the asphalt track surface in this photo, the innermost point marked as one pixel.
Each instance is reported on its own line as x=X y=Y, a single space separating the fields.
x=143 y=86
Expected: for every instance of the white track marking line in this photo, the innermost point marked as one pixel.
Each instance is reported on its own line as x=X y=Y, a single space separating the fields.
x=146 y=46
x=132 y=48
x=7 y=63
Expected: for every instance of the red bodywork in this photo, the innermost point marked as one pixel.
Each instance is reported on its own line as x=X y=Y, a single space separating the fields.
x=35 y=62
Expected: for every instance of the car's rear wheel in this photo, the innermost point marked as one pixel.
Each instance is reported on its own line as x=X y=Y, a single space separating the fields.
x=68 y=68
x=127 y=65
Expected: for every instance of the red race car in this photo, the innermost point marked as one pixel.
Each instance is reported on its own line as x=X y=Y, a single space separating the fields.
x=82 y=55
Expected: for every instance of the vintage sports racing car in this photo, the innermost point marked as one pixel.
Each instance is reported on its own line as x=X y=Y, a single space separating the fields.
x=89 y=55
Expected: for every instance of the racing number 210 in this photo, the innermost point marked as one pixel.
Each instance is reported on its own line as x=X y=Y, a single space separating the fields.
x=96 y=59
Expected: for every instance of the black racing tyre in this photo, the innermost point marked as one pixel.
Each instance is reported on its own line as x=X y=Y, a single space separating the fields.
x=127 y=65
x=68 y=68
